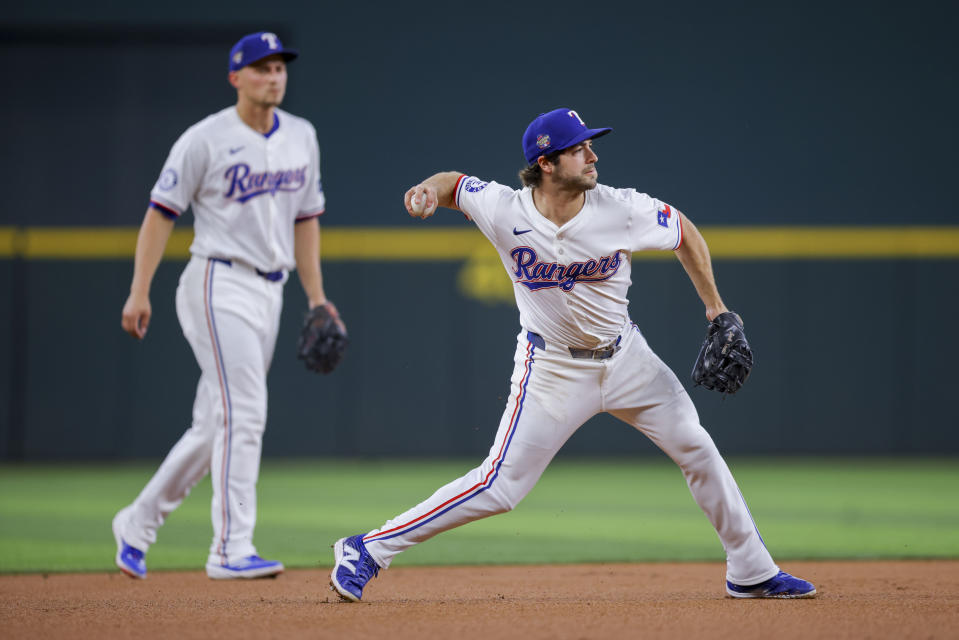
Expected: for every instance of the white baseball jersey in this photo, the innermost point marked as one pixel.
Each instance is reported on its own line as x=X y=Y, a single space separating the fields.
x=571 y=281
x=247 y=189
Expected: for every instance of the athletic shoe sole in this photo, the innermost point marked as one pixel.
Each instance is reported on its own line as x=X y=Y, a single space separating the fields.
x=216 y=572
x=733 y=594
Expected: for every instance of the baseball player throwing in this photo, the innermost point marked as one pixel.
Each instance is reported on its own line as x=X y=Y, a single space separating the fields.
x=251 y=173
x=566 y=241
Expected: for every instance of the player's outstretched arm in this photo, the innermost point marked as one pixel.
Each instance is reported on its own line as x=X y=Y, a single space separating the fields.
x=438 y=192
x=151 y=241
x=694 y=256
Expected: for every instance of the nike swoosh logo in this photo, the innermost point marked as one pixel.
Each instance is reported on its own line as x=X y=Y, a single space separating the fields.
x=519 y=233
x=232 y=151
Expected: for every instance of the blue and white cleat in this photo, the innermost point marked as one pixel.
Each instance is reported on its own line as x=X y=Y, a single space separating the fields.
x=782 y=585
x=353 y=568
x=249 y=567
x=130 y=560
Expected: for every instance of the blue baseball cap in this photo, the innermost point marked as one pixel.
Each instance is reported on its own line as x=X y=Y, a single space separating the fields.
x=257 y=46
x=557 y=130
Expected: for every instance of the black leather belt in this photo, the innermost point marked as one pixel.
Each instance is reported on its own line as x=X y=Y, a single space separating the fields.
x=272 y=276
x=583 y=354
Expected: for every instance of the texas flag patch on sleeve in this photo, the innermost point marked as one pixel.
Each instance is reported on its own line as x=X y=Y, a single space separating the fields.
x=663 y=216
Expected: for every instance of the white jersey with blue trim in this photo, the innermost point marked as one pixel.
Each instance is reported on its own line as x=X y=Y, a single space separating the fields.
x=246 y=188
x=570 y=282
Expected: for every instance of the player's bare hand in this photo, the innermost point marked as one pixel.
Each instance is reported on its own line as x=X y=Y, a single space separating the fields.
x=421 y=201
x=136 y=316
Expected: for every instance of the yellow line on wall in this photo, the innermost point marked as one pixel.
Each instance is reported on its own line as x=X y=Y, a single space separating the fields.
x=8 y=242
x=833 y=242
x=365 y=244
x=400 y=243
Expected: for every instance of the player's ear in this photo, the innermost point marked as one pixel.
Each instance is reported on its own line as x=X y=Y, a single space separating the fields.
x=545 y=165
x=234 y=79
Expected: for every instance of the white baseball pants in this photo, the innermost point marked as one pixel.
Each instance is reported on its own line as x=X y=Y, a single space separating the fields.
x=230 y=316
x=552 y=395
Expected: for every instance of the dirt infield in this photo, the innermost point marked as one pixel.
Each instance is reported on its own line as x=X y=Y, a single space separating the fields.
x=856 y=600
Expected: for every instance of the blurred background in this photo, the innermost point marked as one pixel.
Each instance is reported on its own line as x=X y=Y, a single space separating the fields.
x=814 y=143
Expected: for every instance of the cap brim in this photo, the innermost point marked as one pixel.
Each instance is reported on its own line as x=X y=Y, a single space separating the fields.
x=287 y=55
x=588 y=134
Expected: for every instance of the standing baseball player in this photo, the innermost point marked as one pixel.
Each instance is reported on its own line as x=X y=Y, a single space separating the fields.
x=251 y=173
x=567 y=242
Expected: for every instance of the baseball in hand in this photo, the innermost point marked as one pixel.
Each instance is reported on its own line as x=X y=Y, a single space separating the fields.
x=418 y=204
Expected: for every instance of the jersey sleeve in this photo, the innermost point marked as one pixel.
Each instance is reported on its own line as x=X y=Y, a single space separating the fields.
x=181 y=175
x=479 y=201
x=314 y=201
x=653 y=224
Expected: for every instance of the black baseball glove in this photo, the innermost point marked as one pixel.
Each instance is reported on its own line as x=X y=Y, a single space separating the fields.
x=323 y=339
x=725 y=359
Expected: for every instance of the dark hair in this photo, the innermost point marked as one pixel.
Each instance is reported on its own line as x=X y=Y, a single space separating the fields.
x=532 y=176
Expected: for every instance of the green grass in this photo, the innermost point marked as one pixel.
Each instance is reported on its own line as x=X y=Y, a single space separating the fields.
x=57 y=518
